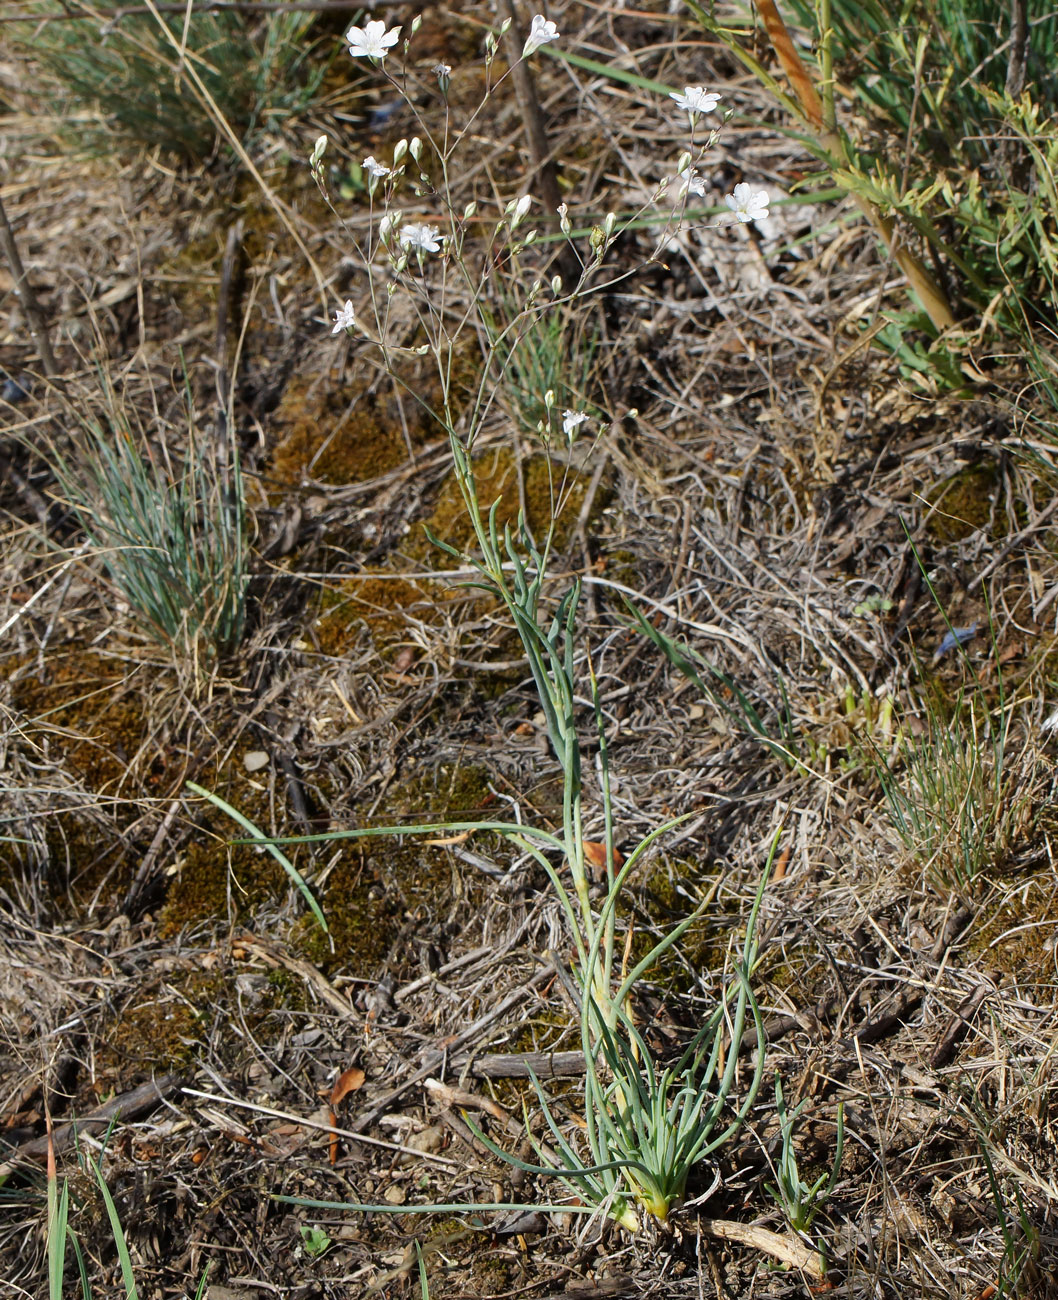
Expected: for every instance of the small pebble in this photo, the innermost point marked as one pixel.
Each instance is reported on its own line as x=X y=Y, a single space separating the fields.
x=429 y=1139
x=255 y=760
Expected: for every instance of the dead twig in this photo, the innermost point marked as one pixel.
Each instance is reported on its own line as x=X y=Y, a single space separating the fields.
x=27 y=298
x=787 y=1249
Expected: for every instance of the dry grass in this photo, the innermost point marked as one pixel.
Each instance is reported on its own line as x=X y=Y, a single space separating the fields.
x=753 y=511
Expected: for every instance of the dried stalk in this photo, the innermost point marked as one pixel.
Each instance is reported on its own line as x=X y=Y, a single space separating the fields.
x=930 y=294
x=25 y=295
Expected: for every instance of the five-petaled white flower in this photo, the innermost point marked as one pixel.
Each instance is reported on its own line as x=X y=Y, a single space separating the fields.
x=571 y=421
x=423 y=238
x=747 y=204
x=541 y=31
x=695 y=100
x=371 y=41
x=374 y=169
x=343 y=319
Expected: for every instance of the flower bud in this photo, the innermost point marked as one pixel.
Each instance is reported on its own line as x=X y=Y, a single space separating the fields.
x=415 y=149
x=416 y=23
x=556 y=284
x=400 y=149
x=469 y=211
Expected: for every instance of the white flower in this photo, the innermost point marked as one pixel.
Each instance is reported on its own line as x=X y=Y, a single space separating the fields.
x=696 y=99
x=343 y=319
x=541 y=32
x=1050 y=723
x=371 y=41
x=374 y=169
x=747 y=204
x=689 y=182
x=442 y=71
x=571 y=422
x=423 y=238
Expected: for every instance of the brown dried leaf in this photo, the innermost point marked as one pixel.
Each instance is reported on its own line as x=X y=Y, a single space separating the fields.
x=351 y=1080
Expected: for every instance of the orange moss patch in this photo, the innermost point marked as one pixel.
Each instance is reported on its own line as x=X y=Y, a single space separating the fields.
x=327 y=434
x=385 y=604
x=92 y=698
x=546 y=486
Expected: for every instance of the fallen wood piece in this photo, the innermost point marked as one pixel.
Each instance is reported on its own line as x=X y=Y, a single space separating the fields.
x=889 y=1016
x=517 y=1065
x=789 y=1250
x=958 y=1026
x=130 y=1105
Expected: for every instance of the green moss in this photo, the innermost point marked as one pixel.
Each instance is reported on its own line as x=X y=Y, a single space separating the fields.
x=664 y=896
x=381 y=891
x=161 y=1029
x=1014 y=935
x=212 y=871
x=80 y=855
x=964 y=504
x=213 y=876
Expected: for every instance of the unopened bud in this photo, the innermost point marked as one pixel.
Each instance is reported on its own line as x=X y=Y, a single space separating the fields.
x=556 y=284
x=400 y=149
x=469 y=211
x=415 y=149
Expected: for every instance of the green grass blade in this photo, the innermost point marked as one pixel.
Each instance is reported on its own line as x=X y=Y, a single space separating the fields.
x=118 y=1232
x=259 y=837
x=58 y=1212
